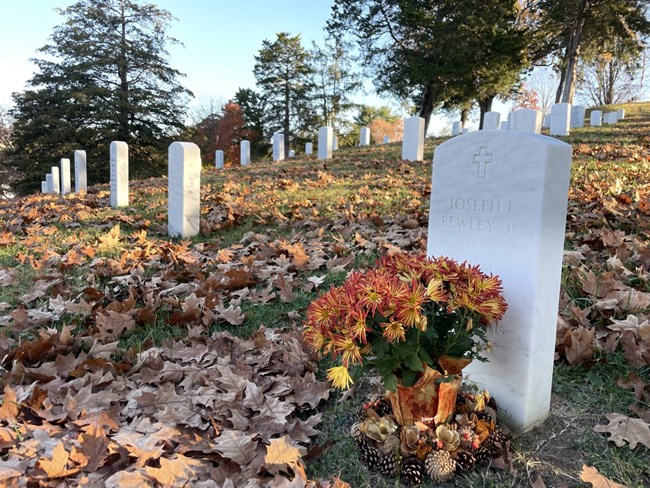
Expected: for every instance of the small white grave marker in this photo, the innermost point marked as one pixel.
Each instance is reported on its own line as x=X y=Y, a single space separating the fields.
x=218 y=159
x=560 y=119
x=364 y=138
x=499 y=200
x=335 y=142
x=413 y=143
x=66 y=182
x=620 y=113
x=278 y=147
x=386 y=140
x=491 y=120
x=526 y=120
x=245 y=153
x=50 y=183
x=596 y=118
x=456 y=128
x=56 y=182
x=578 y=116
x=292 y=153
x=44 y=186
x=504 y=125
x=309 y=148
x=184 y=189
x=119 y=156
x=80 y=171
x=325 y=142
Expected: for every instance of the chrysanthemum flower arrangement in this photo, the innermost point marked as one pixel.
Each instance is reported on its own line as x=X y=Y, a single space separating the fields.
x=417 y=321
x=407 y=313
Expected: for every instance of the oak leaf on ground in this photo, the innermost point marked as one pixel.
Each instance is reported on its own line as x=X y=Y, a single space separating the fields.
x=626 y=430
x=597 y=480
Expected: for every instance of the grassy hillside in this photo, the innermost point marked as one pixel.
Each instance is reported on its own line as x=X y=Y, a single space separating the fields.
x=132 y=357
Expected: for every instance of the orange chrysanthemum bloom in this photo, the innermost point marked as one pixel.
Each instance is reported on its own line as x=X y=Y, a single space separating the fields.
x=394 y=331
x=409 y=307
x=340 y=377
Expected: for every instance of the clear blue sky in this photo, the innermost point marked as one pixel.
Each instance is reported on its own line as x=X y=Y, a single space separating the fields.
x=220 y=38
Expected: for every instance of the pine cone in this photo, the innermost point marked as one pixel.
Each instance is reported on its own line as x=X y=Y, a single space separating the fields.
x=413 y=471
x=495 y=441
x=370 y=456
x=388 y=465
x=440 y=466
x=488 y=413
x=465 y=460
x=483 y=455
x=383 y=408
x=389 y=446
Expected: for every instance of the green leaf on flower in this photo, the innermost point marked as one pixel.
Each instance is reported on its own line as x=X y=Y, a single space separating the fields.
x=390 y=382
x=413 y=362
x=408 y=378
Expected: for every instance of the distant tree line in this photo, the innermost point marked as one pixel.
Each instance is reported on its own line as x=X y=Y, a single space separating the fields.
x=105 y=76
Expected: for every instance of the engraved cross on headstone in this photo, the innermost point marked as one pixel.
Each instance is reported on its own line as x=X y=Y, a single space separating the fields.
x=481 y=160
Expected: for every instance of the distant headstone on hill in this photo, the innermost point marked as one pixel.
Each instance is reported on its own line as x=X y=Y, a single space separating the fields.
x=560 y=119
x=456 y=128
x=80 y=171
x=596 y=118
x=413 y=142
x=292 y=153
x=56 y=181
x=219 y=159
x=66 y=182
x=578 y=116
x=44 y=186
x=526 y=120
x=364 y=137
x=491 y=120
x=325 y=140
x=386 y=140
x=620 y=113
x=184 y=189
x=499 y=200
x=309 y=148
x=244 y=153
x=278 y=147
x=119 y=157
x=335 y=142
x=50 y=183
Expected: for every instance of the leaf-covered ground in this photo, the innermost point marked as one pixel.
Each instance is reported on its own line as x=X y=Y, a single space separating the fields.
x=129 y=357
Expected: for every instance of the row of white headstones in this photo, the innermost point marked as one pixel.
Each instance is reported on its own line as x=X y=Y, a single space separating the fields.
x=498 y=200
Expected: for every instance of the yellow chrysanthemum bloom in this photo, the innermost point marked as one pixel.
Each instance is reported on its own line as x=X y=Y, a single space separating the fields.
x=340 y=377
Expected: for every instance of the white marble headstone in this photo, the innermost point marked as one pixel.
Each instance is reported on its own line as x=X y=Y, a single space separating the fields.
x=364 y=138
x=578 y=116
x=44 y=187
x=278 y=147
x=620 y=113
x=66 y=177
x=610 y=117
x=292 y=153
x=325 y=140
x=465 y=130
x=50 y=183
x=499 y=200
x=596 y=118
x=526 y=120
x=560 y=119
x=504 y=125
x=184 y=189
x=80 y=171
x=245 y=153
x=413 y=142
x=491 y=120
x=309 y=148
x=456 y=128
x=56 y=180
x=219 y=159
x=335 y=142
x=119 y=157
x=386 y=140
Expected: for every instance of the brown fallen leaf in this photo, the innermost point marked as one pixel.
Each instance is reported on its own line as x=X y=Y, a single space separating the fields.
x=174 y=472
x=538 y=483
x=597 y=480
x=581 y=347
x=281 y=454
x=9 y=408
x=57 y=467
x=94 y=446
x=623 y=429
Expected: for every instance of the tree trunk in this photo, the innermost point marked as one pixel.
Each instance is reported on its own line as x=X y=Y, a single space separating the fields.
x=560 y=86
x=426 y=106
x=123 y=90
x=485 y=105
x=464 y=115
x=572 y=54
x=611 y=81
